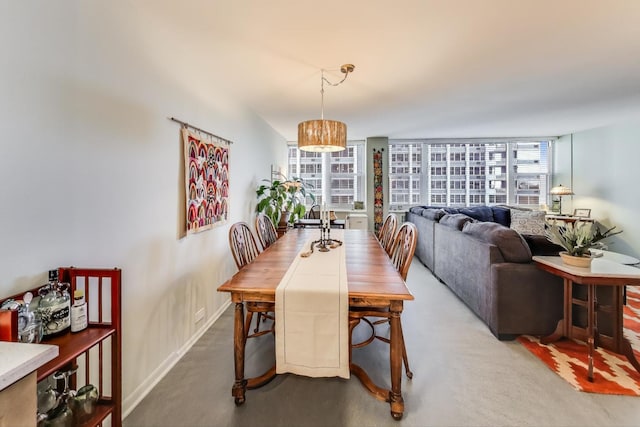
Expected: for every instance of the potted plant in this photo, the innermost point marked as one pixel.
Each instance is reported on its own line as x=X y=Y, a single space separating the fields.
x=577 y=239
x=283 y=200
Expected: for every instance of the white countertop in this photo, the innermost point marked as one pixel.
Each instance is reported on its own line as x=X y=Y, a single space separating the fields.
x=18 y=360
x=600 y=267
x=616 y=257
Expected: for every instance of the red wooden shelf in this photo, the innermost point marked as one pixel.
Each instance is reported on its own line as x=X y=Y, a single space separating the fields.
x=70 y=345
x=106 y=296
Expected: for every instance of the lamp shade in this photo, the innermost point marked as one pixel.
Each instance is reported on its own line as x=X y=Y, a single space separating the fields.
x=322 y=136
x=561 y=190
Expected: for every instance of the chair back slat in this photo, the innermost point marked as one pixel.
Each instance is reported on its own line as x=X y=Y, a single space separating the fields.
x=403 y=248
x=243 y=244
x=266 y=231
x=313 y=213
x=387 y=232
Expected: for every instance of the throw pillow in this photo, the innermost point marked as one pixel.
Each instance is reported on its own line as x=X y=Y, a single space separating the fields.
x=510 y=243
x=528 y=222
x=433 y=214
x=455 y=221
x=502 y=215
x=540 y=245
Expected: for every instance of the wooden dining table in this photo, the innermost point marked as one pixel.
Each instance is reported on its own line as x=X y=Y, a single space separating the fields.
x=373 y=282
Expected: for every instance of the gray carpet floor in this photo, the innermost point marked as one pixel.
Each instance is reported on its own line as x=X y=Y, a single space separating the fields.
x=463 y=376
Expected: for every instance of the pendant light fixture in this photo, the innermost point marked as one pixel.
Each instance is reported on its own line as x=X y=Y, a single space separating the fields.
x=324 y=135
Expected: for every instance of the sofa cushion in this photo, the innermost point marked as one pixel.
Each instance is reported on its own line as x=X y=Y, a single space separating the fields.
x=501 y=215
x=510 y=243
x=481 y=213
x=416 y=210
x=433 y=214
x=540 y=245
x=456 y=221
x=528 y=222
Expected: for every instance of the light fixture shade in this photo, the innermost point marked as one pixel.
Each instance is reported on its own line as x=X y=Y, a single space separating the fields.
x=322 y=136
x=561 y=190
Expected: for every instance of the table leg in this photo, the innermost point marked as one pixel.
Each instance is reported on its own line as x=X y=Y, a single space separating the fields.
x=591 y=327
x=239 y=340
x=395 y=356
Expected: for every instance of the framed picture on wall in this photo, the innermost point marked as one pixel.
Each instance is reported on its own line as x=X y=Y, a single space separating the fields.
x=583 y=213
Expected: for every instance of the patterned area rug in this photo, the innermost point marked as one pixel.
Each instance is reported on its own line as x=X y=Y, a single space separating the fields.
x=612 y=373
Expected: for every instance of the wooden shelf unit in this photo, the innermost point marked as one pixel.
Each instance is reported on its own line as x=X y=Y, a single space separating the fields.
x=102 y=289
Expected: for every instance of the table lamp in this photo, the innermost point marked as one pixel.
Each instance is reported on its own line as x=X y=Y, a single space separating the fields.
x=560 y=191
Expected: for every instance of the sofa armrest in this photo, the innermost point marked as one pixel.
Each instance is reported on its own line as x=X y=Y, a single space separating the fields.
x=525 y=300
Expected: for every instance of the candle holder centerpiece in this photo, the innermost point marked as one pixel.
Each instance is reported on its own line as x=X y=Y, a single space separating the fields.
x=325 y=243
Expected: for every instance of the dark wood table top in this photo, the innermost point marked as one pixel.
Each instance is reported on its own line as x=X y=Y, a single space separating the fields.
x=370 y=273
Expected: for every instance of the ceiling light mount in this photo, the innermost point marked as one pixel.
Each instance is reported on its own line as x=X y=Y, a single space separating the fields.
x=347 y=68
x=324 y=135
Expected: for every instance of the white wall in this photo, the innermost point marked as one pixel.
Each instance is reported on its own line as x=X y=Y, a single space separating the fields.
x=89 y=165
x=604 y=174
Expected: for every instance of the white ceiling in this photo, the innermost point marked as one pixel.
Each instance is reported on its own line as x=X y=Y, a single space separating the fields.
x=424 y=68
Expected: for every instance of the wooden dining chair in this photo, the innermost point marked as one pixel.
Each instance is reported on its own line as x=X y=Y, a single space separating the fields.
x=387 y=232
x=266 y=231
x=402 y=249
x=313 y=213
x=244 y=250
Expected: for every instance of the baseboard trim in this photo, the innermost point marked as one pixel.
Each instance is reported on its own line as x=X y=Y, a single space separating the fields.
x=129 y=403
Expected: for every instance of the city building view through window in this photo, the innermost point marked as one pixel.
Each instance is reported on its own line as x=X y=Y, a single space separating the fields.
x=422 y=172
x=337 y=179
x=468 y=174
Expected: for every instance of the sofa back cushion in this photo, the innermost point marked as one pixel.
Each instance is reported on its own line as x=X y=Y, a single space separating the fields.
x=501 y=215
x=510 y=243
x=456 y=221
x=528 y=222
x=481 y=213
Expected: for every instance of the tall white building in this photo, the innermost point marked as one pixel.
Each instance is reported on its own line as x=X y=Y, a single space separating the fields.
x=468 y=174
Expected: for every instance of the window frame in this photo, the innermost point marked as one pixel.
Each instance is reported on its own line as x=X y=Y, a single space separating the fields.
x=357 y=174
x=487 y=158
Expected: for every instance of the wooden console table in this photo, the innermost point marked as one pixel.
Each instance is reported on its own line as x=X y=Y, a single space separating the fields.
x=602 y=275
x=569 y=219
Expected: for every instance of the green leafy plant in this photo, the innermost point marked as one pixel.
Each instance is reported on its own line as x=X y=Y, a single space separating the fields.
x=579 y=237
x=283 y=197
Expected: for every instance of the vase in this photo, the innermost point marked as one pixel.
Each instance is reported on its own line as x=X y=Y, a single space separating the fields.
x=283 y=225
x=576 y=261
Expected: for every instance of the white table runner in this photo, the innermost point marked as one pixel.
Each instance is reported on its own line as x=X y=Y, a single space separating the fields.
x=312 y=315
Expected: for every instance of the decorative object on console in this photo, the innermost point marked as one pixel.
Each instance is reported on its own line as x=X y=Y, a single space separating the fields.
x=582 y=213
x=577 y=238
x=560 y=191
x=528 y=222
x=613 y=374
x=324 y=135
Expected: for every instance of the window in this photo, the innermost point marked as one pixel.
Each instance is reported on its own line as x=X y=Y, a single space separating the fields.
x=468 y=173
x=337 y=178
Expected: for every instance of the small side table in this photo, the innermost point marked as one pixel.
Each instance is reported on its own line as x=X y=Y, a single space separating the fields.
x=602 y=273
x=569 y=219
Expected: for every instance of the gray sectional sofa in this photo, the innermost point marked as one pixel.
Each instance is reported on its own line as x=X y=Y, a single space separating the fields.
x=488 y=266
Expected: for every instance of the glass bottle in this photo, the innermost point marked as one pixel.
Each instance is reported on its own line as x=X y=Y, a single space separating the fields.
x=54 y=307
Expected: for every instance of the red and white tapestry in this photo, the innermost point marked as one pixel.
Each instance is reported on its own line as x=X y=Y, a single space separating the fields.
x=613 y=374
x=207 y=182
